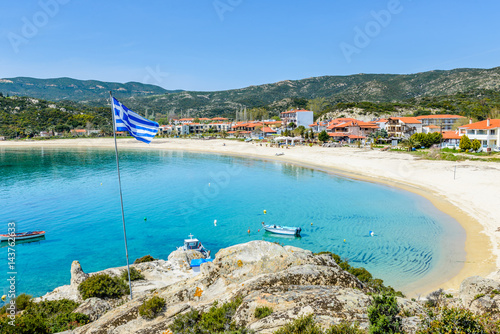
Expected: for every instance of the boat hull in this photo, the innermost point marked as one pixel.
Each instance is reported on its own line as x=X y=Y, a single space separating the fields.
x=284 y=230
x=22 y=236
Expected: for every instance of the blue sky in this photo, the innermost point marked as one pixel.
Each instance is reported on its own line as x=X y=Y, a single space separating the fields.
x=225 y=44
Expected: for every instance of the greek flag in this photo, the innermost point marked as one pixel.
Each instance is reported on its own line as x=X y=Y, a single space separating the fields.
x=126 y=120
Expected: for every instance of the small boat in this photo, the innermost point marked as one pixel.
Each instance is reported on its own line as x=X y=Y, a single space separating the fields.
x=194 y=244
x=278 y=229
x=22 y=236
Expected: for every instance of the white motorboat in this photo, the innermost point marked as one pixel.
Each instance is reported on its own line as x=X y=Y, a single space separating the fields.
x=194 y=244
x=286 y=230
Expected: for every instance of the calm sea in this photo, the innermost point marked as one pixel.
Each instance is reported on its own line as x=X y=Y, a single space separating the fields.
x=73 y=196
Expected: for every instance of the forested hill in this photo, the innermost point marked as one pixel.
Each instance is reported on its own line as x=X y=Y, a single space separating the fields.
x=75 y=90
x=353 y=88
x=274 y=97
x=24 y=116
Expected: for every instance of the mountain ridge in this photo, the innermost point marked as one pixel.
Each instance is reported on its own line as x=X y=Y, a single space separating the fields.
x=66 y=88
x=276 y=96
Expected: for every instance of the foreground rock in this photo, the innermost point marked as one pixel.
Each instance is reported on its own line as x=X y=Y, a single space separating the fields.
x=291 y=281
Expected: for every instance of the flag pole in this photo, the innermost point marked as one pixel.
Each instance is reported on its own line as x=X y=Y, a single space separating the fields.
x=121 y=197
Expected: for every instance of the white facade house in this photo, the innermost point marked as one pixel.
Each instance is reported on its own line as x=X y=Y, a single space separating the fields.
x=487 y=132
x=182 y=129
x=299 y=117
x=444 y=122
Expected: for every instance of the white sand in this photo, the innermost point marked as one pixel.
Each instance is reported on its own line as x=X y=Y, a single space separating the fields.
x=473 y=198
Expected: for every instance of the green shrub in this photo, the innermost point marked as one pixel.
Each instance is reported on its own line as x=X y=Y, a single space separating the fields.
x=479 y=296
x=145 y=258
x=134 y=275
x=475 y=145
x=24 y=325
x=45 y=317
x=383 y=315
x=465 y=144
x=219 y=319
x=262 y=312
x=345 y=328
x=151 y=307
x=22 y=302
x=186 y=323
x=303 y=325
x=102 y=286
x=362 y=274
x=453 y=321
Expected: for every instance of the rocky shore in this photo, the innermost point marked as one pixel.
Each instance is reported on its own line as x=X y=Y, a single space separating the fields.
x=292 y=281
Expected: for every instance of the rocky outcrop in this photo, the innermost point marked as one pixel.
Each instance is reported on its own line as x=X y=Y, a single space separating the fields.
x=291 y=281
x=77 y=274
x=94 y=308
x=475 y=286
x=182 y=258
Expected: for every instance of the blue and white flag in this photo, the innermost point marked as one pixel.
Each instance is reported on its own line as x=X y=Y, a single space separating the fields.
x=126 y=120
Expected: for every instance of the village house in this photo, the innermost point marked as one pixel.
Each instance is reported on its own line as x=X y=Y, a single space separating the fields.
x=403 y=127
x=319 y=126
x=262 y=132
x=350 y=129
x=451 y=139
x=298 y=117
x=487 y=132
x=441 y=122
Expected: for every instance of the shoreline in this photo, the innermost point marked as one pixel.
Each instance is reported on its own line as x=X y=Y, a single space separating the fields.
x=470 y=199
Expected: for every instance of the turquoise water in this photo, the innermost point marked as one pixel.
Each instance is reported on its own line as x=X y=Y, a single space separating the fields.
x=73 y=196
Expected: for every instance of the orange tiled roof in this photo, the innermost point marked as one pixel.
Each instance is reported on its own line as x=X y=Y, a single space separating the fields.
x=268 y=130
x=408 y=120
x=451 y=135
x=482 y=125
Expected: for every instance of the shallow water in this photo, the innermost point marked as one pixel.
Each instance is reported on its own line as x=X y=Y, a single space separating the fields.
x=73 y=196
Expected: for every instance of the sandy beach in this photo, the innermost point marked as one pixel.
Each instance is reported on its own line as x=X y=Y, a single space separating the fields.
x=472 y=197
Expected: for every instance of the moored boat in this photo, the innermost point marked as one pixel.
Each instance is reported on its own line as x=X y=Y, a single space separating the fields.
x=194 y=244
x=22 y=236
x=286 y=230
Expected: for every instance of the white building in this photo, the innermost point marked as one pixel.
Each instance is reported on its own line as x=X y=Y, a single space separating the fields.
x=182 y=129
x=444 y=122
x=299 y=117
x=487 y=132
